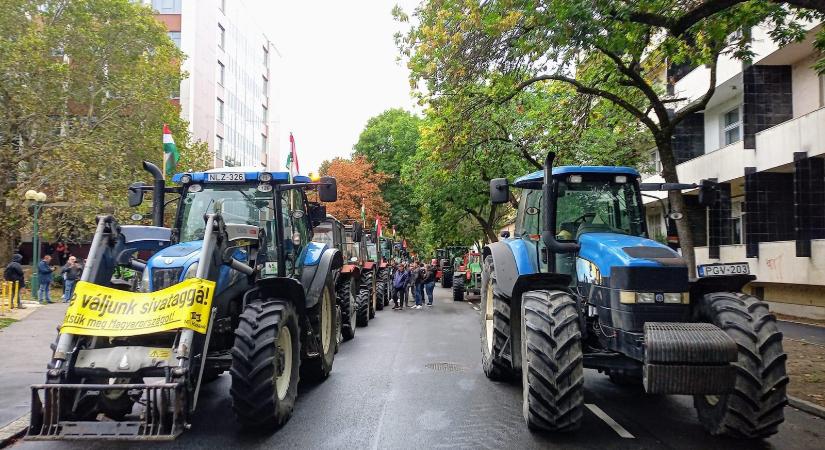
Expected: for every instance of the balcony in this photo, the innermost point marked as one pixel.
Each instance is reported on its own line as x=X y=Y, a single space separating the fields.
x=724 y=164
x=776 y=145
x=776 y=262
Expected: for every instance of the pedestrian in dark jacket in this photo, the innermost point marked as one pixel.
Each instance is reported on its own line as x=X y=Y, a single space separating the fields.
x=44 y=272
x=71 y=273
x=418 y=287
x=429 y=283
x=14 y=272
x=399 y=286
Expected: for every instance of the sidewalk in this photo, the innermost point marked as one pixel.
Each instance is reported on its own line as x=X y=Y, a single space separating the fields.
x=24 y=353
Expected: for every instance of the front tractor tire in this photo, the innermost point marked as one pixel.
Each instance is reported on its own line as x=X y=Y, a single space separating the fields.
x=323 y=320
x=552 y=365
x=447 y=279
x=495 y=327
x=266 y=359
x=755 y=407
x=458 y=287
x=346 y=300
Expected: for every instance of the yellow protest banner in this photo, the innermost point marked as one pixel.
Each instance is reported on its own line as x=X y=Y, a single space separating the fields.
x=96 y=310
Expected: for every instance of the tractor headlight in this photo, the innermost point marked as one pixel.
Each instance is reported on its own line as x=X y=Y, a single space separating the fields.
x=186 y=179
x=266 y=177
x=631 y=297
x=673 y=297
x=645 y=297
x=191 y=271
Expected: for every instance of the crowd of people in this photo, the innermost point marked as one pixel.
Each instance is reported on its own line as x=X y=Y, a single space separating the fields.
x=70 y=272
x=414 y=280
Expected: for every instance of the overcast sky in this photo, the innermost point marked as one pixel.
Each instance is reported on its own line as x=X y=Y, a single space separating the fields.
x=338 y=61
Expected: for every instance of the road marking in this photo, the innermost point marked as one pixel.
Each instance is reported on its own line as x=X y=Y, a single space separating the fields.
x=609 y=420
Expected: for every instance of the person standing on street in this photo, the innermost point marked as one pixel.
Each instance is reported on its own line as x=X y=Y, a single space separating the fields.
x=429 y=283
x=44 y=272
x=14 y=272
x=413 y=271
x=71 y=273
x=420 y=277
x=399 y=286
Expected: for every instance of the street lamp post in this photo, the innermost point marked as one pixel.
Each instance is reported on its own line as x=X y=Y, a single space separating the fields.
x=36 y=200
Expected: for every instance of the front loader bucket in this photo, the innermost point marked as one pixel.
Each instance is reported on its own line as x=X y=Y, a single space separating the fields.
x=154 y=423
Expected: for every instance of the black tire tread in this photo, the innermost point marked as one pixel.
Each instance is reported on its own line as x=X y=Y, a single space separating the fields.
x=364 y=299
x=755 y=408
x=343 y=299
x=495 y=366
x=552 y=365
x=458 y=288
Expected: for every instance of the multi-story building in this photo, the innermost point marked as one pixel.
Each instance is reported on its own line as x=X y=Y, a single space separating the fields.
x=228 y=94
x=762 y=138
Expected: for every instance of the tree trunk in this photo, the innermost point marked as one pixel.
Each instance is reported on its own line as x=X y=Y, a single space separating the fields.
x=677 y=203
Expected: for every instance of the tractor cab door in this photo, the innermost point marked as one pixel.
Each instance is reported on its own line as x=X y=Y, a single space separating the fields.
x=296 y=231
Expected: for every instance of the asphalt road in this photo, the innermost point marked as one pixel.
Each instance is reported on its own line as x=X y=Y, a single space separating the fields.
x=413 y=379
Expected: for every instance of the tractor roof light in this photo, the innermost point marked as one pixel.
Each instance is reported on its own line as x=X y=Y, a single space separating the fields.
x=575 y=179
x=186 y=179
x=266 y=177
x=620 y=179
x=196 y=188
x=263 y=187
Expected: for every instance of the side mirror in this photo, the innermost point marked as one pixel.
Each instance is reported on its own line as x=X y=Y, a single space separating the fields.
x=135 y=194
x=499 y=191
x=328 y=190
x=317 y=213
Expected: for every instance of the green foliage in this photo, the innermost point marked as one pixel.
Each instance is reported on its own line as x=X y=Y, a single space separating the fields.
x=388 y=141
x=85 y=91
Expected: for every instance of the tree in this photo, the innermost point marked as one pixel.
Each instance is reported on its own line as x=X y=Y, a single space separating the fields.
x=388 y=141
x=489 y=52
x=85 y=89
x=358 y=185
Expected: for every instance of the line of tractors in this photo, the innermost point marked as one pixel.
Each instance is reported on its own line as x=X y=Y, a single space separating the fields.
x=284 y=284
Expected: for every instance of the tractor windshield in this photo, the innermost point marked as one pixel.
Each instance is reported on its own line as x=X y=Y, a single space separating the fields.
x=371 y=252
x=601 y=205
x=323 y=234
x=237 y=204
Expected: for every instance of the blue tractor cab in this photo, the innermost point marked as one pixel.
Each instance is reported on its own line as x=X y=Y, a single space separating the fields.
x=581 y=285
x=247 y=233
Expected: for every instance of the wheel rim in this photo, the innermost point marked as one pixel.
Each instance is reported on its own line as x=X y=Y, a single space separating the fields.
x=326 y=317
x=282 y=381
x=488 y=317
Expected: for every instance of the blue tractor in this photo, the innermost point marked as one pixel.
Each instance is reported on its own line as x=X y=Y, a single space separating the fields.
x=245 y=234
x=581 y=286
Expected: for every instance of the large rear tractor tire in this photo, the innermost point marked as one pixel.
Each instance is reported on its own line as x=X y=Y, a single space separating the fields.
x=380 y=289
x=552 y=369
x=755 y=408
x=458 y=287
x=373 y=294
x=322 y=317
x=495 y=327
x=346 y=300
x=362 y=302
x=266 y=359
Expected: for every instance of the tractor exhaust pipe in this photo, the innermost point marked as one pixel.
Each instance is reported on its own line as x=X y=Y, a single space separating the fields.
x=158 y=187
x=549 y=233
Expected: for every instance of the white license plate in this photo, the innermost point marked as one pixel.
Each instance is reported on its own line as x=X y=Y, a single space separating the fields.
x=715 y=270
x=226 y=177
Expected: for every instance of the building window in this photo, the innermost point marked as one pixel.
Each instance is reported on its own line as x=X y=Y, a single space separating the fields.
x=732 y=126
x=221 y=36
x=822 y=91
x=263 y=144
x=166 y=6
x=222 y=6
x=219 y=110
x=736 y=221
x=175 y=37
x=221 y=73
x=218 y=147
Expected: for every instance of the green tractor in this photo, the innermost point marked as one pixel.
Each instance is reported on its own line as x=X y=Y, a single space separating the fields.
x=236 y=284
x=467 y=276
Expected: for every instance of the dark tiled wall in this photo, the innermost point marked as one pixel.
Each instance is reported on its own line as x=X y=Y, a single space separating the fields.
x=768 y=100
x=689 y=138
x=809 y=201
x=769 y=209
x=697 y=215
x=719 y=212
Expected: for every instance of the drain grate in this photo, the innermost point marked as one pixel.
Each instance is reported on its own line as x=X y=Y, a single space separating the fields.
x=445 y=367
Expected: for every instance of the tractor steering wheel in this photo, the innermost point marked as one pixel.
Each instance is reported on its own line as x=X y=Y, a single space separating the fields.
x=584 y=218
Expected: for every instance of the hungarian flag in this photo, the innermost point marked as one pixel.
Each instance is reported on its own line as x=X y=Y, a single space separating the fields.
x=363 y=214
x=378 y=226
x=292 y=158
x=170 y=152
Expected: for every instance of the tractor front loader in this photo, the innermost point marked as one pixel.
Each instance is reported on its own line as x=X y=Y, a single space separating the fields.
x=581 y=285
x=235 y=284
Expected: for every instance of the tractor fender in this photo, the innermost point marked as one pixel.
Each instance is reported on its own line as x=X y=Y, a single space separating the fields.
x=315 y=277
x=368 y=265
x=282 y=288
x=723 y=283
x=504 y=265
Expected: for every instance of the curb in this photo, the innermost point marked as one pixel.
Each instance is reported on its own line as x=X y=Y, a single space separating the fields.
x=14 y=430
x=806 y=406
